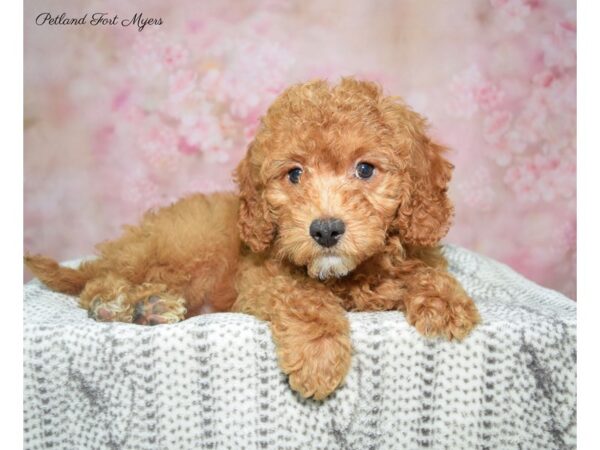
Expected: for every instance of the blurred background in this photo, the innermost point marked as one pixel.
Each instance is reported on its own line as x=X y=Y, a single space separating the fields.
x=119 y=120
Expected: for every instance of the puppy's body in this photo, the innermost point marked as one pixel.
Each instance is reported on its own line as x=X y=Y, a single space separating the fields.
x=193 y=248
x=341 y=207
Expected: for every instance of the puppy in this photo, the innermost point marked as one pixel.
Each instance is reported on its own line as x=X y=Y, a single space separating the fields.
x=341 y=207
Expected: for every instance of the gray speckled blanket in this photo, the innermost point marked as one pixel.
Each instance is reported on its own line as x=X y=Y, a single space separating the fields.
x=212 y=382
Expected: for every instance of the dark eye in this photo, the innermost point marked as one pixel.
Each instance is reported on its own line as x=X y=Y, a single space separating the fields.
x=364 y=170
x=294 y=175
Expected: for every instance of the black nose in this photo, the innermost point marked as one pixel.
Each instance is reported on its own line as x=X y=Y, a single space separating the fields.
x=327 y=231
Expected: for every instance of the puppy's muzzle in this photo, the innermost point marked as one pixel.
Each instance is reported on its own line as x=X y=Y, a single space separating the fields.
x=327 y=232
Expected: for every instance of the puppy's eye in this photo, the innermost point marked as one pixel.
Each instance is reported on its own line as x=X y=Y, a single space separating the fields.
x=364 y=170
x=294 y=175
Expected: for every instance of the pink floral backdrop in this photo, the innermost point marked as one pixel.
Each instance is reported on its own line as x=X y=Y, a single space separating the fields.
x=119 y=120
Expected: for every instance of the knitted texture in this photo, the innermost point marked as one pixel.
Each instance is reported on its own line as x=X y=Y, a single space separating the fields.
x=212 y=382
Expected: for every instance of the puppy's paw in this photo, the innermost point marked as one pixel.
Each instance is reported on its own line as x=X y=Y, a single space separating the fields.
x=316 y=368
x=452 y=318
x=159 y=309
x=117 y=310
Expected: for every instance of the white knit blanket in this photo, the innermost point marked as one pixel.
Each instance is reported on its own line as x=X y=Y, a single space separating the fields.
x=212 y=382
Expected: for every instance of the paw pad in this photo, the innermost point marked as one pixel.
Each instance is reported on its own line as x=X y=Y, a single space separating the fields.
x=110 y=311
x=156 y=310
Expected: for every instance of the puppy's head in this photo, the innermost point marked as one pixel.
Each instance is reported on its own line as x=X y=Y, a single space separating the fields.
x=333 y=171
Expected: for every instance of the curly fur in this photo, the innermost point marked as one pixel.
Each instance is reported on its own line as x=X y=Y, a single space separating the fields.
x=252 y=252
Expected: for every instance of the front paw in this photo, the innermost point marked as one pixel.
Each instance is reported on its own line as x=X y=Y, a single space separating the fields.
x=316 y=368
x=452 y=317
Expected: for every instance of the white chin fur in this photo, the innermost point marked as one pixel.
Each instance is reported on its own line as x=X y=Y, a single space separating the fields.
x=329 y=266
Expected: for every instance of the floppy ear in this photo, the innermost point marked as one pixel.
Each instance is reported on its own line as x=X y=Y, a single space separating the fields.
x=255 y=224
x=425 y=212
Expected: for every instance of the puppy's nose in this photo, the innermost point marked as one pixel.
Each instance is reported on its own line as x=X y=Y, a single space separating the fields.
x=327 y=231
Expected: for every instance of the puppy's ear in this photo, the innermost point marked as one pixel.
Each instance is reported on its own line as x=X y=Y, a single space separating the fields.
x=425 y=215
x=255 y=224
x=425 y=212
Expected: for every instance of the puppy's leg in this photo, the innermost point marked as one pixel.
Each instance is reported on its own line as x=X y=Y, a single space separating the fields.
x=311 y=332
x=106 y=299
x=437 y=305
x=113 y=299
x=313 y=344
